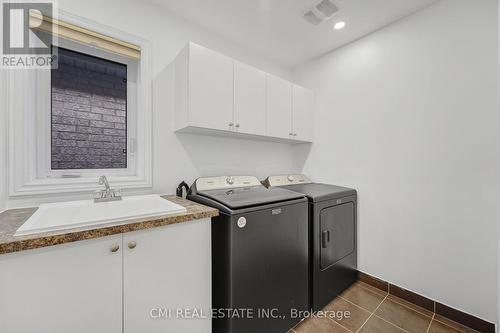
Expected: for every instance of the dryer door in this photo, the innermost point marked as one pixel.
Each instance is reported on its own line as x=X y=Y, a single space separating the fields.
x=337 y=233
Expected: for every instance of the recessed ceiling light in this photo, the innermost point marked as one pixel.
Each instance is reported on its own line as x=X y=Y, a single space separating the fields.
x=339 y=25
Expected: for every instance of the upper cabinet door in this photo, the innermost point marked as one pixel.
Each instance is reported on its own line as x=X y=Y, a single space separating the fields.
x=249 y=99
x=210 y=89
x=279 y=107
x=303 y=110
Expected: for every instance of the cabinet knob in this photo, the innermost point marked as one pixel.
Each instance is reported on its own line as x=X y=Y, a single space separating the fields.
x=132 y=245
x=231 y=124
x=115 y=248
x=294 y=134
x=237 y=125
x=291 y=134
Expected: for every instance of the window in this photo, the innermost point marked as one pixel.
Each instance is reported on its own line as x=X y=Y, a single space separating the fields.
x=89 y=112
x=88 y=126
x=91 y=116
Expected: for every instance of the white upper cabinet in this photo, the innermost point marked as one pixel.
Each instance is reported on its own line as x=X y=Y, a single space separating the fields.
x=302 y=113
x=208 y=92
x=249 y=99
x=279 y=107
x=218 y=95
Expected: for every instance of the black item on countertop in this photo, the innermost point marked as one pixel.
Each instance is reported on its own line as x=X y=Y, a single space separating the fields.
x=182 y=185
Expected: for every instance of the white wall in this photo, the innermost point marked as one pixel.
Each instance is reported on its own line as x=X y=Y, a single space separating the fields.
x=498 y=106
x=3 y=144
x=182 y=156
x=408 y=116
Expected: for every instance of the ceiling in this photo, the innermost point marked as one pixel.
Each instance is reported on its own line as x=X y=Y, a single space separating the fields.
x=276 y=30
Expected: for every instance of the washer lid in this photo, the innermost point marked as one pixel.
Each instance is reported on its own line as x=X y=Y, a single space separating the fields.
x=241 y=197
x=316 y=192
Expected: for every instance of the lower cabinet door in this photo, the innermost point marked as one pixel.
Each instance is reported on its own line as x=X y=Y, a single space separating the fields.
x=167 y=279
x=74 y=287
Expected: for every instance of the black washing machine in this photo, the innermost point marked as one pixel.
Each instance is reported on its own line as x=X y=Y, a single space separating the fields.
x=260 y=264
x=333 y=230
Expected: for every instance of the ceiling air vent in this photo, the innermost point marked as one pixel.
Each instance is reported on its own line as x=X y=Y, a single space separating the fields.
x=327 y=8
x=321 y=11
x=312 y=18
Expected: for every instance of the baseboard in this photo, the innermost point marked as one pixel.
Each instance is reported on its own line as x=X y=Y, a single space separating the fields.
x=443 y=310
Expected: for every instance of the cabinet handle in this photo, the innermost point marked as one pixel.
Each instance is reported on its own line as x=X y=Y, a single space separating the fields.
x=291 y=134
x=294 y=134
x=115 y=248
x=132 y=245
x=237 y=125
x=231 y=124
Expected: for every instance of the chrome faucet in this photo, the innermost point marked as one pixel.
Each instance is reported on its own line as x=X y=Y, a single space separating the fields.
x=107 y=194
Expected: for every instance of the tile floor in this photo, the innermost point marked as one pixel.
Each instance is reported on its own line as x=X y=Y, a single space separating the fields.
x=374 y=311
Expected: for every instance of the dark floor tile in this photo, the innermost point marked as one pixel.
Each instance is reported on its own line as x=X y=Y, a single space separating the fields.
x=403 y=316
x=352 y=317
x=364 y=296
x=318 y=325
x=412 y=297
x=377 y=325
x=373 y=281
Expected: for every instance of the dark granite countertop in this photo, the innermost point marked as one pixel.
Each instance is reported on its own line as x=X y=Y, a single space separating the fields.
x=11 y=220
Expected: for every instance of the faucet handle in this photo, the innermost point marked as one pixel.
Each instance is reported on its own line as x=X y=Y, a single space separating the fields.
x=116 y=193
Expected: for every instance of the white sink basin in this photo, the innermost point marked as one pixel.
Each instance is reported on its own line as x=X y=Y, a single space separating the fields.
x=82 y=214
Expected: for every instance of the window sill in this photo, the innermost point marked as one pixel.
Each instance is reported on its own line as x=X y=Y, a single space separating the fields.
x=72 y=185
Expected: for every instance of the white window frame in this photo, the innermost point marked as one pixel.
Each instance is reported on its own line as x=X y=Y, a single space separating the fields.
x=29 y=101
x=44 y=141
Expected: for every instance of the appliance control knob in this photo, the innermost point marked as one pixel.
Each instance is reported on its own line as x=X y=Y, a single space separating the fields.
x=290 y=178
x=242 y=222
x=230 y=180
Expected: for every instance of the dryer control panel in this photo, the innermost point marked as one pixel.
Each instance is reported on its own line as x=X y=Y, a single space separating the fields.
x=282 y=180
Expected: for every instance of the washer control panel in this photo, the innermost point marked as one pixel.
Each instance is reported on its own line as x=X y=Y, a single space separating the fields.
x=223 y=182
x=283 y=180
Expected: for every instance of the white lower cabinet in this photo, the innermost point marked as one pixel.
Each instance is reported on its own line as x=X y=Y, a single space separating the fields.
x=93 y=286
x=74 y=287
x=168 y=271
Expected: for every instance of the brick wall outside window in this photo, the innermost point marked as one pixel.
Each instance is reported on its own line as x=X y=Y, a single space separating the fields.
x=89 y=113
